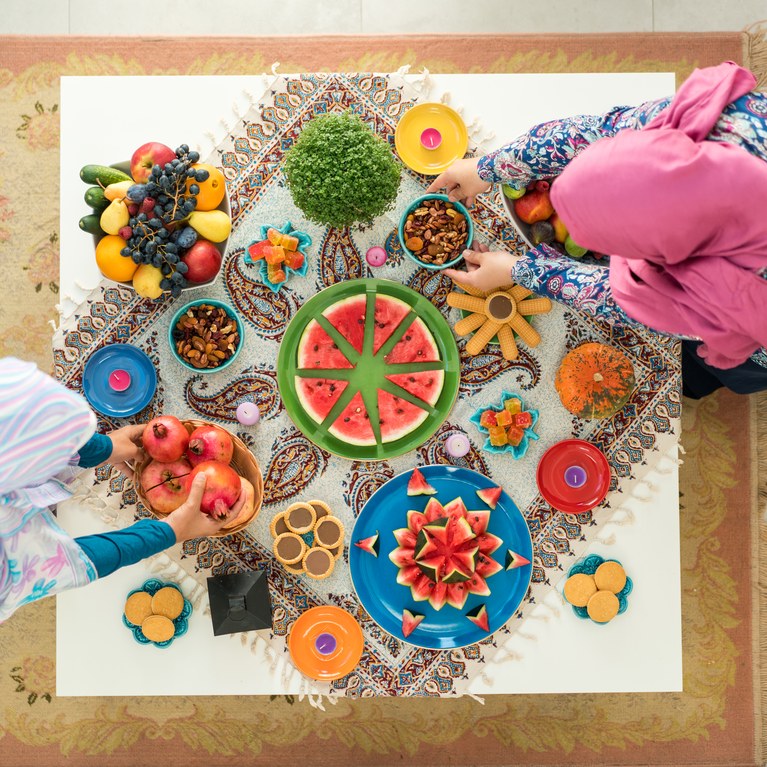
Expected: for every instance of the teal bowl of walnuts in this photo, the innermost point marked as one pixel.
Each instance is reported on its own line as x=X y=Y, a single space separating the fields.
x=434 y=231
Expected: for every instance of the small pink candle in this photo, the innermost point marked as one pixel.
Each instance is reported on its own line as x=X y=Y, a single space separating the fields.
x=376 y=256
x=431 y=138
x=248 y=413
x=457 y=445
x=119 y=380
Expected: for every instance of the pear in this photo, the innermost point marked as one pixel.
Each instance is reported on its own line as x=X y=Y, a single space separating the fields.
x=114 y=217
x=573 y=249
x=511 y=193
x=117 y=191
x=213 y=225
x=146 y=281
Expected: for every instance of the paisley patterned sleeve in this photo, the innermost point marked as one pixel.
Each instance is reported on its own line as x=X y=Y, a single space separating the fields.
x=584 y=287
x=546 y=149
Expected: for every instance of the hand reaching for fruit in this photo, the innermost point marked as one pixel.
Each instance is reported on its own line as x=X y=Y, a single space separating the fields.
x=461 y=181
x=187 y=521
x=126 y=446
x=486 y=269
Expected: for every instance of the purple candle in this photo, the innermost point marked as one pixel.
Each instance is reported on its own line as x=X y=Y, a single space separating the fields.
x=575 y=476
x=119 y=380
x=376 y=256
x=431 y=138
x=457 y=445
x=248 y=413
x=325 y=644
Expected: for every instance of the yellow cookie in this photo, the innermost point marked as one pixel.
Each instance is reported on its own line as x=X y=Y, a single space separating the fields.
x=579 y=588
x=610 y=576
x=158 y=628
x=603 y=606
x=168 y=602
x=278 y=526
x=138 y=607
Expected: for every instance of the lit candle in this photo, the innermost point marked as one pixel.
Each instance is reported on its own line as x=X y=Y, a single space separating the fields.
x=325 y=644
x=431 y=138
x=457 y=445
x=575 y=476
x=376 y=256
x=119 y=380
x=248 y=413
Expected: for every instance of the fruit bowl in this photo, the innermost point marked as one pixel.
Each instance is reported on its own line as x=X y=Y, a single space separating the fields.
x=243 y=462
x=172 y=330
x=418 y=203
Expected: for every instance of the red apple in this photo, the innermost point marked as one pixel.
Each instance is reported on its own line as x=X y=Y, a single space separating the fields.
x=203 y=260
x=147 y=155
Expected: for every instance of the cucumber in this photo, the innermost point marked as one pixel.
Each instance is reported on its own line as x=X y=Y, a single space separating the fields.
x=102 y=175
x=94 y=198
x=91 y=224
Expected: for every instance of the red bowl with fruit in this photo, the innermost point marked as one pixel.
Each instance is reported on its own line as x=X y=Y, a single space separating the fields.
x=162 y=485
x=179 y=244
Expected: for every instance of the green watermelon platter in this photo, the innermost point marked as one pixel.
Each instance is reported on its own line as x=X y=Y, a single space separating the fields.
x=368 y=369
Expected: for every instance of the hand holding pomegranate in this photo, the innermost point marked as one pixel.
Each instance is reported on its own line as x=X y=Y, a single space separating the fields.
x=486 y=269
x=461 y=182
x=188 y=521
x=126 y=446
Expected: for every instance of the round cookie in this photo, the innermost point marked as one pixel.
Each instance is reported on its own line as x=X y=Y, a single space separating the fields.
x=321 y=509
x=289 y=548
x=579 y=588
x=603 y=606
x=318 y=563
x=300 y=518
x=138 y=607
x=329 y=532
x=278 y=526
x=158 y=628
x=610 y=576
x=168 y=602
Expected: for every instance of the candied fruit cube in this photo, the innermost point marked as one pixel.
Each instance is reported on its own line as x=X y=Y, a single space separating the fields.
x=504 y=418
x=275 y=256
x=278 y=275
x=488 y=418
x=274 y=236
x=289 y=242
x=258 y=250
x=523 y=420
x=294 y=259
x=498 y=435
x=513 y=405
x=514 y=435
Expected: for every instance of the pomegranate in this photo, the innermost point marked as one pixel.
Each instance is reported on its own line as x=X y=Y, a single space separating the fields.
x=165 y=438
x=209 y=443
x=165 y=484
x=222 y=489
x=247 y=507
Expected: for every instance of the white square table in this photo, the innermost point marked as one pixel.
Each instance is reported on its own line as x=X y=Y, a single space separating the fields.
x=96 y=655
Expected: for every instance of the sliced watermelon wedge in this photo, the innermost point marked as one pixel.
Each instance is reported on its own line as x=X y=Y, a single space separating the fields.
x=479 y=519
x=417 y=485
x=389 y=312
x=479 y=617
x=317 y=349
x=457 y=594
x=416 y=345
x=353 y=424
x=371 y=544
x=397 y=417
x=490 y=495
x=348 y=318
x=514 y=560
x=434 y=510
x=318 y=395
x=410 y=621
x=426 y=385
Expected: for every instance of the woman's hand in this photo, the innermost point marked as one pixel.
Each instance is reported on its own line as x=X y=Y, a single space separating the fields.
x=188 y=521
x=126 y=446
x=486 y=269
x=461 y=182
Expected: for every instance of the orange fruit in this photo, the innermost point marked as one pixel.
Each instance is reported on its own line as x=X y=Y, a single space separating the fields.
x=212 y=190
x=110 y=262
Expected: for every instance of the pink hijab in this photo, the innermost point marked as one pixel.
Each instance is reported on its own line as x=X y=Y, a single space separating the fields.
x=684 y=220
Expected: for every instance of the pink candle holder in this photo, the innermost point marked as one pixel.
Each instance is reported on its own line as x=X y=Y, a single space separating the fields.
x=119 y=380
x=431 y=138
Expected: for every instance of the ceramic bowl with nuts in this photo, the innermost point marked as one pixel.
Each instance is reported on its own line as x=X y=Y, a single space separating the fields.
x=206 y=335
x=434 y=232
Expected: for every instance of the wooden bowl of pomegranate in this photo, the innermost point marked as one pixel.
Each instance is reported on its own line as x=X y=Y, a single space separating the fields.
x=161 y=485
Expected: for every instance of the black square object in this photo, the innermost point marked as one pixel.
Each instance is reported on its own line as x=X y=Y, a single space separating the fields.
x=239 y=602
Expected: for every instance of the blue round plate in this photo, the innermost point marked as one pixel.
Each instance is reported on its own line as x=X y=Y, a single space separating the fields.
x=119 y=404
x=375 y=578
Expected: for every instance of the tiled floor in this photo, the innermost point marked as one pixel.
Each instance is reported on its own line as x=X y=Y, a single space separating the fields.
x=265 y=17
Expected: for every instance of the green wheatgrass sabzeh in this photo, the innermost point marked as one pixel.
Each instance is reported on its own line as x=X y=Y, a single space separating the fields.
x=340 y=173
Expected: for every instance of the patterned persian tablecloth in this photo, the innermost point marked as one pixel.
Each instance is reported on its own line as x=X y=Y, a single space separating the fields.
x=293 y=467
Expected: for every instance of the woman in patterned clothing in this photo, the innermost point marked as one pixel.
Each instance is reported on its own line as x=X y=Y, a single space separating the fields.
x=675 y=192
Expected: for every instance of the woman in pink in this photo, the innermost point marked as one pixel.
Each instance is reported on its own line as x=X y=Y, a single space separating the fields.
x=678 y=204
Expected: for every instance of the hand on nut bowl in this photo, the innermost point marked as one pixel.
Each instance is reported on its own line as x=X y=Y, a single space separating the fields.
x=486 y=269
x=461 y=181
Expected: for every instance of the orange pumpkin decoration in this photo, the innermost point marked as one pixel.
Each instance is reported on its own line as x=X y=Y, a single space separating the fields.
x=594 y=380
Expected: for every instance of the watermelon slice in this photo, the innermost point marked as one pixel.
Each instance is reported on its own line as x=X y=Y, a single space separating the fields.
x=318 y=395
x=316 y=349
x=479 y=617
x=416 y=345
x=353 y=424
x=370 y=544
x=348 y=318
x=490 y=495
x=397 y=417
x=514 y=560
x=457 y=594
x=410 y=621
x=479 y=519
x=389 y=312
x=426 y=385
x=417 y=485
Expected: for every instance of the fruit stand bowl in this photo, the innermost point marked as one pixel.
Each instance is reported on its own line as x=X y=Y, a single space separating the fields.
x=243 y=462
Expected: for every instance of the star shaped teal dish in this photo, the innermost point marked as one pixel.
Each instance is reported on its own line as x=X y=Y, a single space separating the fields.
x=589 y=566
x=304 y=241
x=181 y=624
x=516 y=451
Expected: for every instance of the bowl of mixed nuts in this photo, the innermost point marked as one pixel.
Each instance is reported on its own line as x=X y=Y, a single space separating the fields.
x=434 y=232
x=206 y=335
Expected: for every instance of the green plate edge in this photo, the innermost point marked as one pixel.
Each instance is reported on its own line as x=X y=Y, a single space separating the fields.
x=435 y=322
